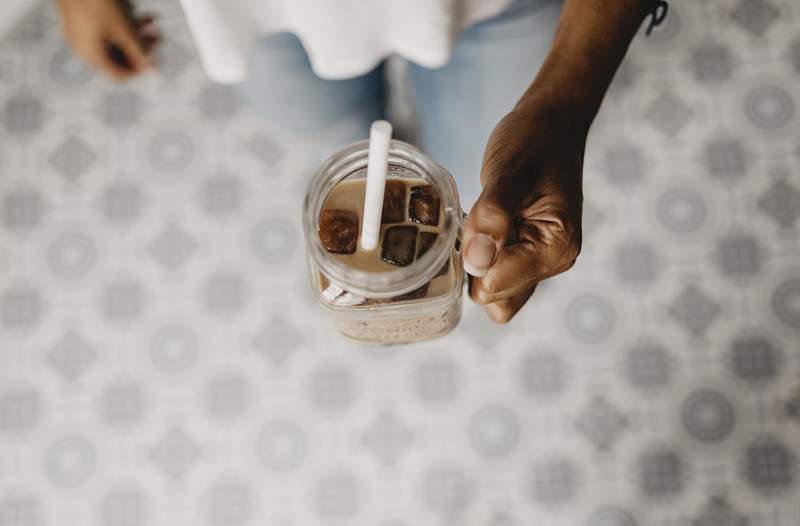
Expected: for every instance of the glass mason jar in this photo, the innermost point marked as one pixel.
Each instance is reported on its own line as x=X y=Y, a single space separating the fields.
x=382 y=307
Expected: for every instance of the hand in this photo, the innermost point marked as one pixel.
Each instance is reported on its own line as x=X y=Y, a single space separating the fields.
x=107 y=35
x=526 y=224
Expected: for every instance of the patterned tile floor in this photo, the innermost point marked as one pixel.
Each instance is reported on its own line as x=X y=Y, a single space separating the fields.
x=161 y=361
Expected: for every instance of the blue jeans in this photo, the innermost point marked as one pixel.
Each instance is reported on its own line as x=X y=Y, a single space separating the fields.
x=456 y=106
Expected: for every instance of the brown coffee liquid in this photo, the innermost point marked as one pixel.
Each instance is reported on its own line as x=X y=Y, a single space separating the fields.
x=348 y=197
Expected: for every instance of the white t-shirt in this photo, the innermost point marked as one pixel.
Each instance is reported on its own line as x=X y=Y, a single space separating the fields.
x=343 y=38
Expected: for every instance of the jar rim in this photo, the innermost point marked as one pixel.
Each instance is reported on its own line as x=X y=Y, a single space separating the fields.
x=381 y=285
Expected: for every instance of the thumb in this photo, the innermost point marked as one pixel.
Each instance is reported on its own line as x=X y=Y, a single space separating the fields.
x=488 y=226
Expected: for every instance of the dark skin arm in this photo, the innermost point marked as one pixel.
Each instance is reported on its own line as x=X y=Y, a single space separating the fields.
x=526 y=225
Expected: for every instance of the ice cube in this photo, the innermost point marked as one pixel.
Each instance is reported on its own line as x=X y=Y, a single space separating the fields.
x=399 y=245
x=338 y=230
x=426 y=241
x=424 y=205
x=394 y=202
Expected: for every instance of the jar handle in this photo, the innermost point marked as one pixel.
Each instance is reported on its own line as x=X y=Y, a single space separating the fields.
x=462 y=221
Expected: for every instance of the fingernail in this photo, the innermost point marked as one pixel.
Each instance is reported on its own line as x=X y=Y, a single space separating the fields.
x=478 y=256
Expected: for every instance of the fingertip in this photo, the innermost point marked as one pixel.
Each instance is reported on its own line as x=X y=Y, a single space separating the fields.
x=150 y=44
x=141 y=63
x=146 y=19
x=133 y=56
x=117 y=76
x=479 y=294
x=485 y=234
x=500 y=312
x=117 y=73
x=479 y=254
x=482 y=297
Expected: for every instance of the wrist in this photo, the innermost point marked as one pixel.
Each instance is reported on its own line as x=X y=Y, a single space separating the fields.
x=564 y=114
x=572 y=82
x=589 y=44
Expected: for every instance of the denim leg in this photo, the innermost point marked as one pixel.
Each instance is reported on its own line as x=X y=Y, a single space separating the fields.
x=284 y=90
x=492 y=64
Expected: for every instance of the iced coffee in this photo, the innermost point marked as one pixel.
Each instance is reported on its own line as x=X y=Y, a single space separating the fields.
x=409 y=287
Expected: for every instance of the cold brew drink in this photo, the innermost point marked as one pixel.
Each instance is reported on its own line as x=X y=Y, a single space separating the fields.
x=409 y=287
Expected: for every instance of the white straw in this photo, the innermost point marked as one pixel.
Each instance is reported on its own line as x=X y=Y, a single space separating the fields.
x=380 y=133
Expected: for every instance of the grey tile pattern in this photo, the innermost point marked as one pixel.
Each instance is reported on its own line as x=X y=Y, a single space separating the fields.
x=162 y=361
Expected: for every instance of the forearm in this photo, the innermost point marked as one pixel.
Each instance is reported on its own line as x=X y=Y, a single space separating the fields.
x=590 y=42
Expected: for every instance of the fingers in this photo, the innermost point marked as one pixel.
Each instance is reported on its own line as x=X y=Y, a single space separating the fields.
x=149 y=36
x=487 y=229
x=537 y=256
x=124 y=36
x=145 y=21
x=108 y=59
x=503 y=310
x=148 y=33
x=149 y=42
x=507 y=281
x=120 y=47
